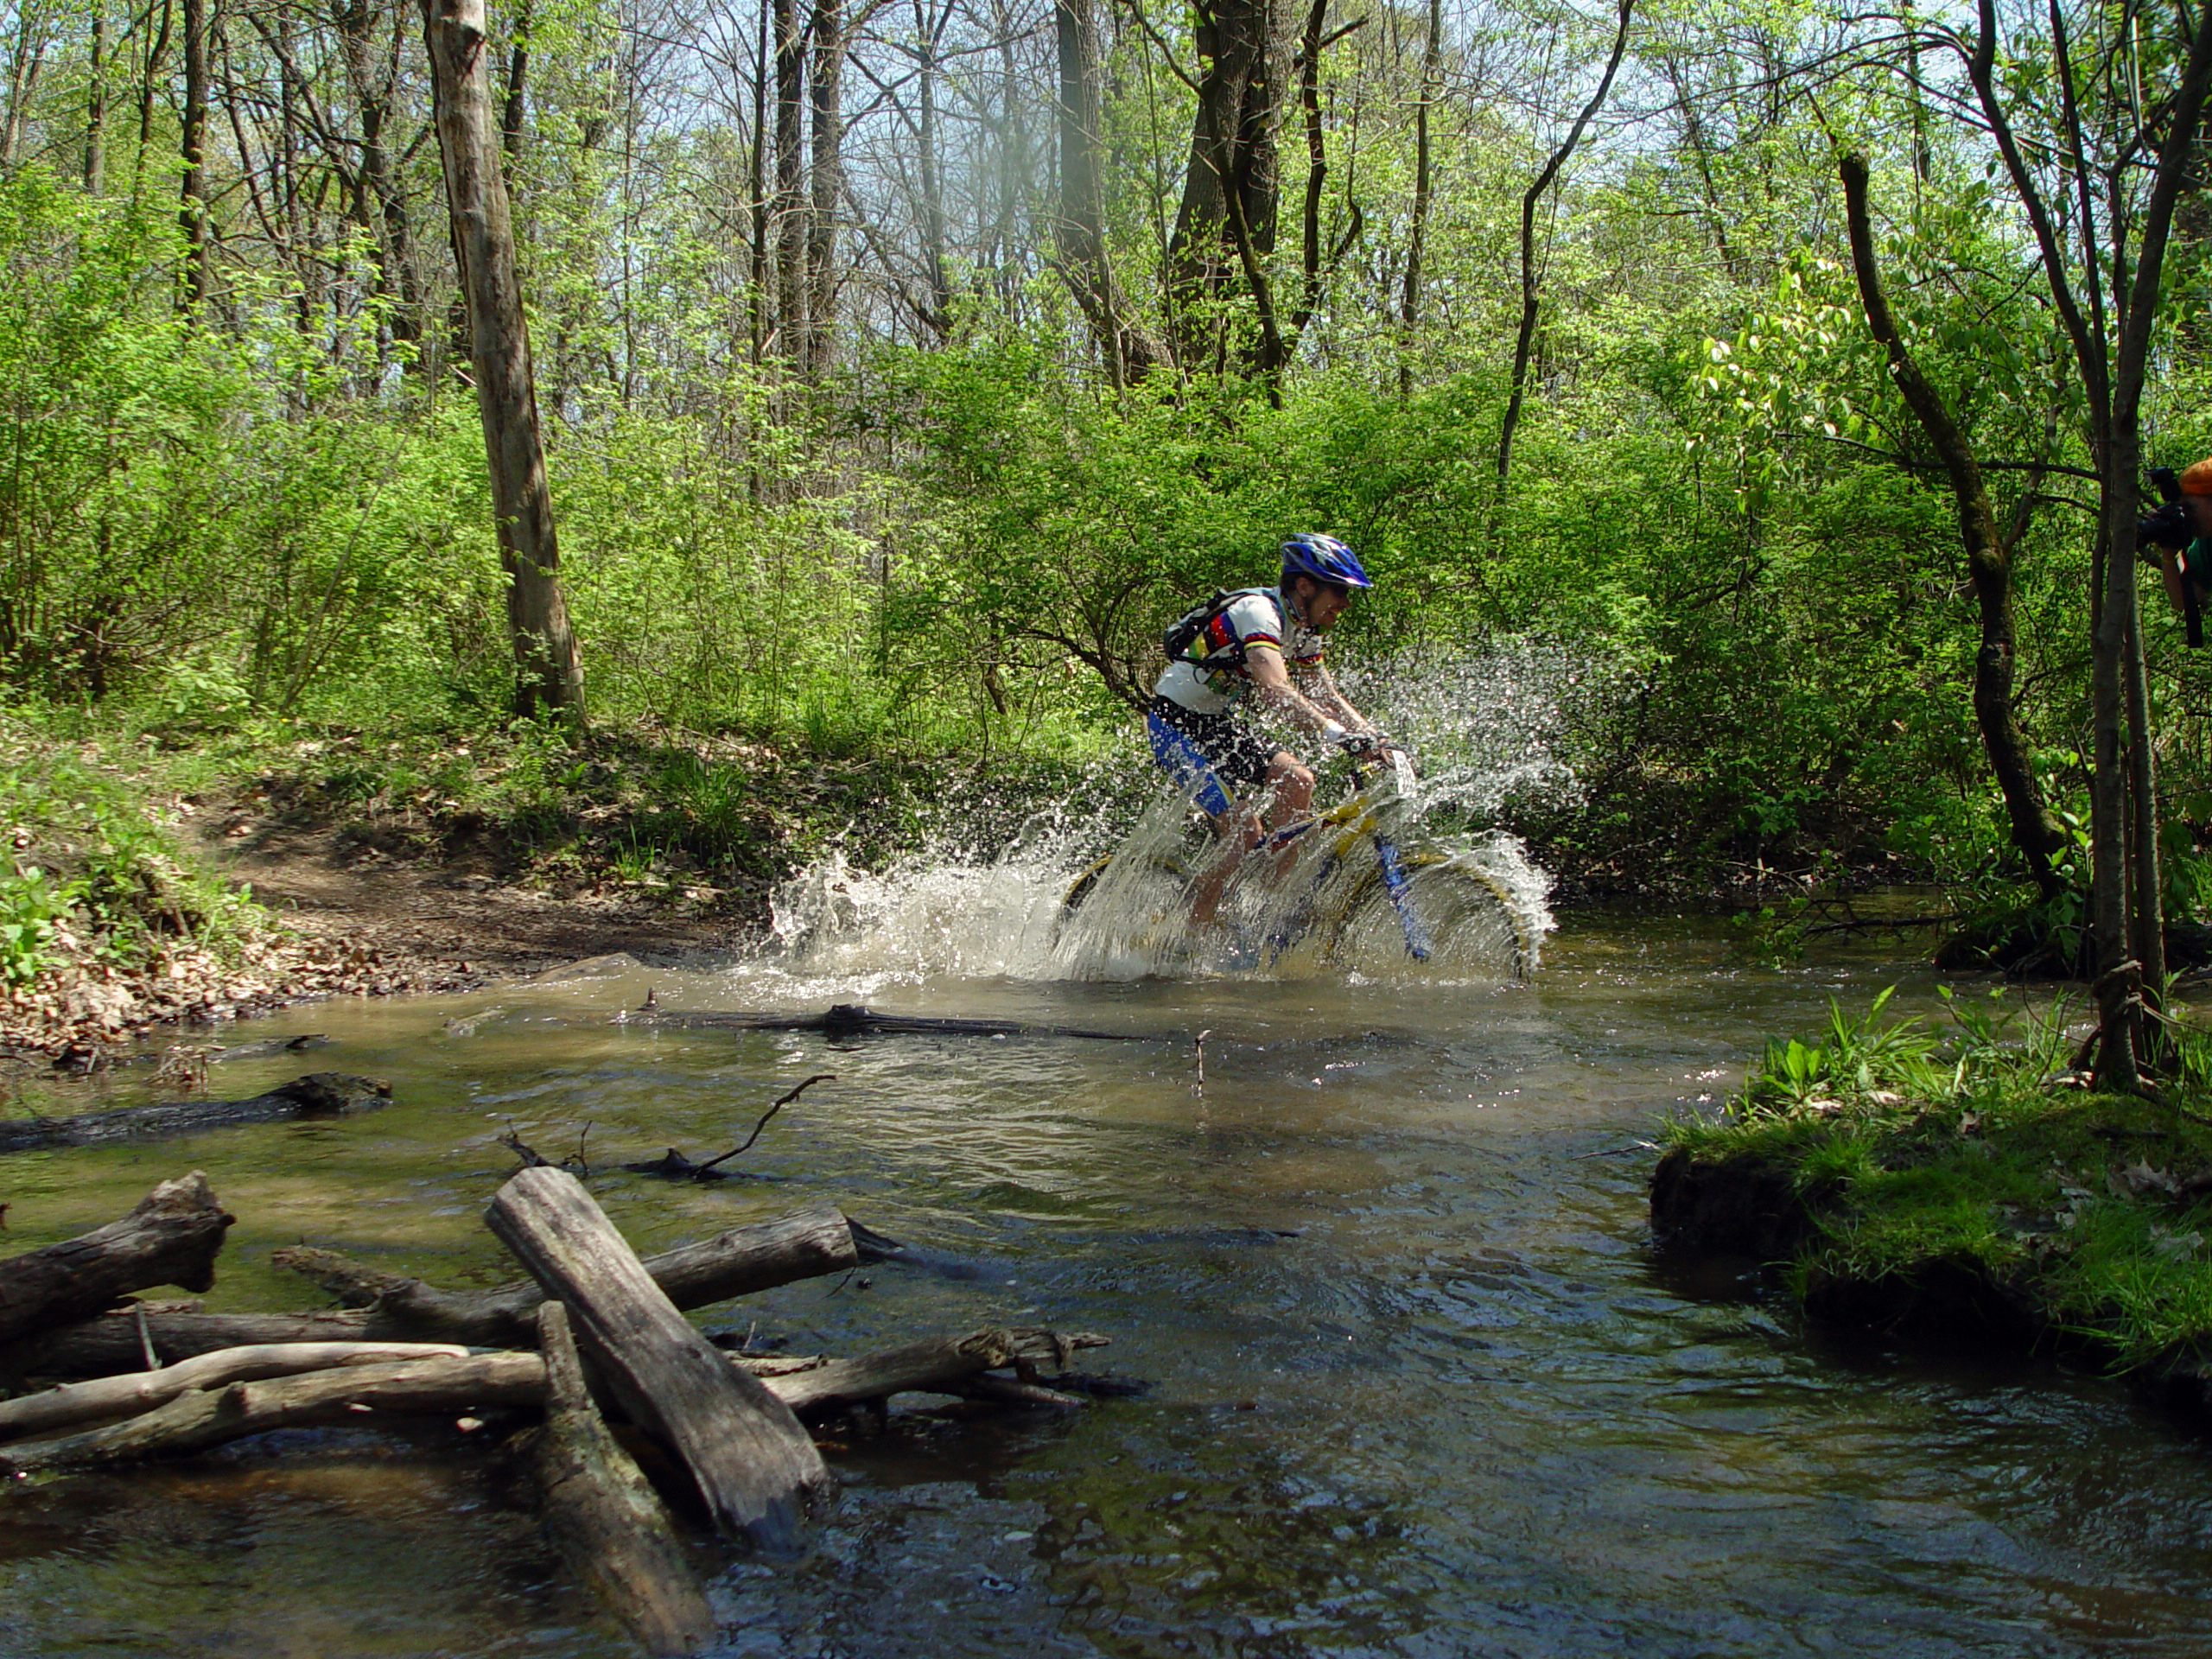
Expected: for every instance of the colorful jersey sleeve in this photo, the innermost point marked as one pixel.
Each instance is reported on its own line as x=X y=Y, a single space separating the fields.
x=1254 y=619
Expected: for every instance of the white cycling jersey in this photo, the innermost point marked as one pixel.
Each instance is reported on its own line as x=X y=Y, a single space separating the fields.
x=1259 y=619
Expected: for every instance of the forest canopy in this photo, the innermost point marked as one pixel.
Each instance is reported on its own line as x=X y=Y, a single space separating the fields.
x=905 y=367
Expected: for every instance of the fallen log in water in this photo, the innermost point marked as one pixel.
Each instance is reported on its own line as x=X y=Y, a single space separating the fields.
x=386 y=1307
x=319 y=1094
x=234 y=1403
x=210 y=1417
x=134 y=1392
x=754 y=1465
x=937 y=1365
x=853 y=1020
x=171 y=1237
x=604 y=1517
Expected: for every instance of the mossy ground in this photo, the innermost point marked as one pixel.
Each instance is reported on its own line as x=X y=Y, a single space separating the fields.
x=1913 y=1159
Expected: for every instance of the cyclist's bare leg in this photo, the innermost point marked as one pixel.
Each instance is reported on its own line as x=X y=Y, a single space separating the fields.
x=1290 y=786
x=1234 y=832
x=1287 y=793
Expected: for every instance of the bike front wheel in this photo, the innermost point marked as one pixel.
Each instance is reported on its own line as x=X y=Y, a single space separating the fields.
x=1476 y=920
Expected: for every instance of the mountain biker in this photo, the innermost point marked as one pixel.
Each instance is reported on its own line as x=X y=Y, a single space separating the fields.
x=1263 y=643
x=2182 y=533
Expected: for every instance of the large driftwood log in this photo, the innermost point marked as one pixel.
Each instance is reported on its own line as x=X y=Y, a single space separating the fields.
x=391 y=1308
x=754 y=1465
x=135 y=1392
x=854 y=1019
x=171 y=1237
x=210 y=1417
x=319 y=1094
x=603 y=1514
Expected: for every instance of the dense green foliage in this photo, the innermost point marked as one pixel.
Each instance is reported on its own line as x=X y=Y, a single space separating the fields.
x=961 y=537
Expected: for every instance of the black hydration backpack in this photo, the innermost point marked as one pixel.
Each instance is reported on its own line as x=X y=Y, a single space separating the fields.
x=1183 y=632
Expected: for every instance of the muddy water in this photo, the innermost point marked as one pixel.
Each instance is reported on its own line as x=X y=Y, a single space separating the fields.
x=1419 y=1388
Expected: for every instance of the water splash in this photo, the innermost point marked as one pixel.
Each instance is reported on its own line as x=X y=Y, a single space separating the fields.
x=1100 y=891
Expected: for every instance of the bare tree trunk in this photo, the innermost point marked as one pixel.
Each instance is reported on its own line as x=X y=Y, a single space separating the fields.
x=1525 y=340
x=789 y=214
x=1243 y=51
x=157 y=53
x=373 y=77
x=1318 y=270
x=932 y=174
x=828 y=186
x=1431 y=58
x=1086 y=263
x=757 y=305
x=516 y=106
x=549 y=678
x=2036 y=831
x=96 y=107
x=192 y=217
x=756 y=1469
x=604 y=1517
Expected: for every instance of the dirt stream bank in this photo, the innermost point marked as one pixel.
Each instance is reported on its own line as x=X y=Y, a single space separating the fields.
x=351 y=921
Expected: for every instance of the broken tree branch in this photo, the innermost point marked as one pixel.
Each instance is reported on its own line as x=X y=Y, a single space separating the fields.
x=171 y=1237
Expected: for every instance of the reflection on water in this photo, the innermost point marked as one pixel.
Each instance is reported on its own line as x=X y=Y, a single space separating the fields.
x=1421 y=1391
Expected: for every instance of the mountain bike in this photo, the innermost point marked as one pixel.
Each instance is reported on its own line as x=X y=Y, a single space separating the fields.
x=1368 y=890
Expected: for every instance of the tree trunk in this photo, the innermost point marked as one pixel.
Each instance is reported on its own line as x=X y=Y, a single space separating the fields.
x=148 y=83
x=96 y=107
x=1243 y=53
x=757 y=301
x=171 y=1237
x=791 y=162
x=192 y=216
x=755 y=1467
x=1524 y=340
x=931 y=165
x=514 y=107
x=1431 y=58
x=827 y=184
x=24 y=71
x=374 y=78
x=932 y=1366
x=2036 y=831
x=549 y=678
x=236 y=1395
x=1086 y=262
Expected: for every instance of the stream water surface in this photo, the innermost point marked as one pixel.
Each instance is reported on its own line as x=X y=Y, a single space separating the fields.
x=1420 y=1386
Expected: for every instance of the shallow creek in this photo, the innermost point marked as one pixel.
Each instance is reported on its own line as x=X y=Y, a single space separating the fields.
x=1421 y=1387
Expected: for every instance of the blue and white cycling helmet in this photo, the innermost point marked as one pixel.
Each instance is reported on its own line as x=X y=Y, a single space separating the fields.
x=1323 y=558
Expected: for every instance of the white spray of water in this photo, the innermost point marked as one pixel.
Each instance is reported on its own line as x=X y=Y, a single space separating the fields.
x=1486 y=730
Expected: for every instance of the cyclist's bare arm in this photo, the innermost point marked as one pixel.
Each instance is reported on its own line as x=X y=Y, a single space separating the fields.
x=1319 y=687
x=1271 y=679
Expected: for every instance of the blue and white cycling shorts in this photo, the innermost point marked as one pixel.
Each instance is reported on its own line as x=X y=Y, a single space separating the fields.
x=1205 y=754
